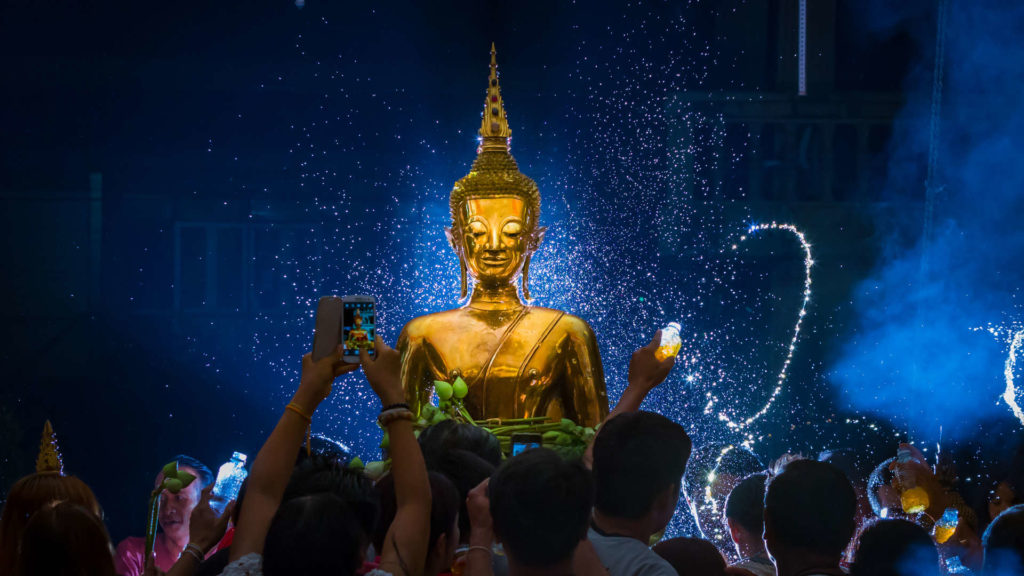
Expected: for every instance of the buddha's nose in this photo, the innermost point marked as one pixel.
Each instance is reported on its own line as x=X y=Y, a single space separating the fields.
x=494 y=240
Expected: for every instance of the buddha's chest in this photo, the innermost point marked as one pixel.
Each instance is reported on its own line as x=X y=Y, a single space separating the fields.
x=483 y=356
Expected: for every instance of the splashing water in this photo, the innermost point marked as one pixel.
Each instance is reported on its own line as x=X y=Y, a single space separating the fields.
x=1014 y=336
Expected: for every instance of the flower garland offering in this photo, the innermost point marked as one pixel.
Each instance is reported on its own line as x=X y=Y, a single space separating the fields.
x=564 y=437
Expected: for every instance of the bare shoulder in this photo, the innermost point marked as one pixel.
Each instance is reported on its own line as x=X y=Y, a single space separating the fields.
x=428 y=323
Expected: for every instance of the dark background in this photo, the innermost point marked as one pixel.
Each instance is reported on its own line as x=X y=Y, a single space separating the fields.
x=133 y=134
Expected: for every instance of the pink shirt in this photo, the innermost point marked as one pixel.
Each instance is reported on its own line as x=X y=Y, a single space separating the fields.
x=130 y=559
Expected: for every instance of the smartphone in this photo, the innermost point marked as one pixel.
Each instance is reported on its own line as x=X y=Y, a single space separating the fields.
x=523 y=442
x=358 y=326
x=327 y=337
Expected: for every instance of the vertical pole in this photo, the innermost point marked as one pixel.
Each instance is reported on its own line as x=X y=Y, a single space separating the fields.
x=802 y=50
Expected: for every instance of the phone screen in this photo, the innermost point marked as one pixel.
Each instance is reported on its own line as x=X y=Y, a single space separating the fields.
x=520 y=447
x=358 y=328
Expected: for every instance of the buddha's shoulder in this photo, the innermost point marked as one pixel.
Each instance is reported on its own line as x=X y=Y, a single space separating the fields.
x=420 y=325
x=566 y=322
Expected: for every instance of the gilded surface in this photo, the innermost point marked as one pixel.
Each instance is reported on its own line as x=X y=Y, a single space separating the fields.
x=518 y=360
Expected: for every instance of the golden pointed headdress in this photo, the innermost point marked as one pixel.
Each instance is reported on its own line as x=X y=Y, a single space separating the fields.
x=49 y=460
x=495 y=172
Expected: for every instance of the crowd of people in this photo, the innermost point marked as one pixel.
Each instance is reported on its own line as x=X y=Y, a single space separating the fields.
x=453 y=504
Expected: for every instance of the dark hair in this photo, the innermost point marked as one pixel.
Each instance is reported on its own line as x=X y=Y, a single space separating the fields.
x=444 y=508
x=894 y=547
x=326 y=475
x=1004 y=543
x=314 y=535
x=65 y=539
x=692 y=556
x=880 y=476
x=466 y=470
x=745 y=504
x=450 y=435
x=27 y=496
x=637 y=455
x=204 y=475
x=811 y=506
x=541 y=505
x=740 y=462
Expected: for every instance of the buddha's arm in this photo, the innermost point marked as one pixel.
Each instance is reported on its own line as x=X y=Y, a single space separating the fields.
x=415 y=370
x=585 y=375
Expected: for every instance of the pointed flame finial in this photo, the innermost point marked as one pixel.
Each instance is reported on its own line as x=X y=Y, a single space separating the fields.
x=494 y=126
x=49 y=460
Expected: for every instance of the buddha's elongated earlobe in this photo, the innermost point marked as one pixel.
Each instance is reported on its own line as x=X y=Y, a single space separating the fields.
x=526 y=278
x=462 y=273
x=450 y=235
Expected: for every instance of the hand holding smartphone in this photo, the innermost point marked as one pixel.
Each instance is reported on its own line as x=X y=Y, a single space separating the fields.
x=349 y=321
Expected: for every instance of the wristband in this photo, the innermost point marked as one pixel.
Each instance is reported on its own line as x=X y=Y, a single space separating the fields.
x=194 y=551
x=395 y=405
x=484 y=548
x=298 y=410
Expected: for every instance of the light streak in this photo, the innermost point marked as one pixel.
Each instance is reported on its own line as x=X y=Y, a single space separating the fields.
x=741 y=425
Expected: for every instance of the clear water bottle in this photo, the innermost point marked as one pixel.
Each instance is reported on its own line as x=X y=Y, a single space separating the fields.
x=670 y=341
x=229 y=482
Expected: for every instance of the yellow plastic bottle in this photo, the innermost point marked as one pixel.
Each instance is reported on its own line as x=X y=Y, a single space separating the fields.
x=670 y=342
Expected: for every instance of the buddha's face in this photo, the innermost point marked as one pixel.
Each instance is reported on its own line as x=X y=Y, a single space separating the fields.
x=494 y=237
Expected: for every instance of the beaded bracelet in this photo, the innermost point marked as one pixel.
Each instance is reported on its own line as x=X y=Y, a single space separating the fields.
x=395 y=405
x=389 y=416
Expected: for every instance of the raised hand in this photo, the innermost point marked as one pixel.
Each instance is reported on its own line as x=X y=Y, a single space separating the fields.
x=384 y=372
x=318 y=376
x=205 y=527
x=645 y=370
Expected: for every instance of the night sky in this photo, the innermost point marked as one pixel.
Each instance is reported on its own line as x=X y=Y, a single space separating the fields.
x=339 y=129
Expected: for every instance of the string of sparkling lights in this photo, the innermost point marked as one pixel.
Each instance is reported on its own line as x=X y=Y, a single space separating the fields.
x=743 y=425
x=709 y=505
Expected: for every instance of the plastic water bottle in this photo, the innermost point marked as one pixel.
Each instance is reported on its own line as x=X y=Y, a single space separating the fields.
x=670 y=342
x=946 y=526
x=229 y=481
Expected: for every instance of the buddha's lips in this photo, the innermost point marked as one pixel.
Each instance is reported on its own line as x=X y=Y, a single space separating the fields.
x=495 y=261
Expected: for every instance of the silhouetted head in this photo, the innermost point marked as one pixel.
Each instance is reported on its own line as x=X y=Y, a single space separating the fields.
x=540 y=505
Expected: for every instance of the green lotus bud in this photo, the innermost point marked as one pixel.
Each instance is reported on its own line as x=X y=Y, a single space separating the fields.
x=173 y=485
x=385 y=442
x=376 y=470
x=460 y=388
x=443 y=389
x=551 y=435
x=356 y=463
x=438 y=418
x=185 y=477
x=568 y=425
x=170 y=469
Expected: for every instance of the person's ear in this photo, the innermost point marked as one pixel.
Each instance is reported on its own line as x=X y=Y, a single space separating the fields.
x=734 y=529
x=440 y=548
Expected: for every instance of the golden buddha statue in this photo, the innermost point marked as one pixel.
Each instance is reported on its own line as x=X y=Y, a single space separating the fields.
x=519 y=361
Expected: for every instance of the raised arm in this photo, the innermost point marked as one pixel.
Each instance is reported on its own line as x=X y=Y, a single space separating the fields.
x=646 y=372
x=405 y=545
x=273 y=464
